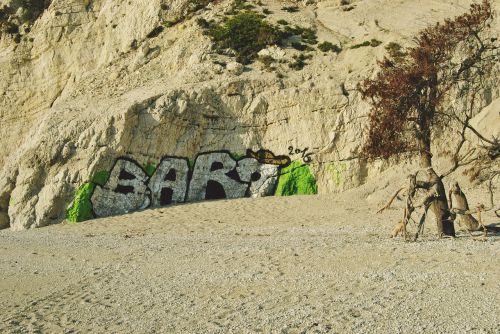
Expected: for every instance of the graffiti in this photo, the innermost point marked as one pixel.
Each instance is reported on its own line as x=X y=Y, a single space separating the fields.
x=305 y=155
x=215 y=177
x=129 y=187
x=169 y=182
x=296 y=179
x=125 y=190
x=337 y=171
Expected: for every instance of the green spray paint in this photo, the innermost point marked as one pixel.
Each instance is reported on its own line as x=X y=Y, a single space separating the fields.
x=237 y=156
x=101 y=178
x=81 y=208
x=337 y=171
x=296 y=179
x=150 y=169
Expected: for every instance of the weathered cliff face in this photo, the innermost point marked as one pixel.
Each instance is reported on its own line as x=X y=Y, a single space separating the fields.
x=86 y=82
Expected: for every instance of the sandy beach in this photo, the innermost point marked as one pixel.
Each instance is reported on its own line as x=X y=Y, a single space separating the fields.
x=308 y=115
x=304 y=264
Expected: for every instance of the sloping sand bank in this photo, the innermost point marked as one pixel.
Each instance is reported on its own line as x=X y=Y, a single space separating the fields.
x=272 y=265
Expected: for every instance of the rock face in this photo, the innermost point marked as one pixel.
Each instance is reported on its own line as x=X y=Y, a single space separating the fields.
x=103 y=99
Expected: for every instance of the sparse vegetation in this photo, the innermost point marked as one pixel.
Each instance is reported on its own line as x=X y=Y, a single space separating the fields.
x=395 y=51
x=202 y=23
x=266 y=60
x=301 y=47
x=189 y=9
x=240 y=5
x=155 y=32
x=171 y=23
x=361 y=45
x=300 y=61
x=246 y=33
x=373 y=43
x=328 y=46
x=220 y=63
x=196 y=5
x=307 y=35
x=17 y=17
x=290 y=9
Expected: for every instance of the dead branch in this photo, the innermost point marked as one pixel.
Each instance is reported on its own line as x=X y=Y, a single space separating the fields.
x=409 y=207
x=389 y=203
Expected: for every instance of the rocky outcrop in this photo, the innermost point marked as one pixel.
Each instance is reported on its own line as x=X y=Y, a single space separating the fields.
x=92 y=81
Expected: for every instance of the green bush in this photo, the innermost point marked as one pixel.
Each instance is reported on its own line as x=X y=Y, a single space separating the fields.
x=290 y=9
x=299 y=61
x=395 y=50
x=301 y=47
x=361 y=45
x=266 y=60
x=239 y=5
x=195 y=5
x=327 y=46
x=246 y=33
x=373 y=43
x=307 y=35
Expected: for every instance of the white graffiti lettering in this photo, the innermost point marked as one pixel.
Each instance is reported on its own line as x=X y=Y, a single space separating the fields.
x=215 y=175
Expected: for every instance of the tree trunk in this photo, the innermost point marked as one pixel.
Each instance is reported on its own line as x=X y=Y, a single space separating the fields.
x=439 y=204
x=425 y=159
x=424 y=144
x=426 y=113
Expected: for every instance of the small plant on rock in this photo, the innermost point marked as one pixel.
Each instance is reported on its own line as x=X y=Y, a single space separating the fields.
x=290 y=9
x=395 y=51
x=307 y=35
x=373 y=43
x=299 y=61
x=327 y=46
x=246 y=33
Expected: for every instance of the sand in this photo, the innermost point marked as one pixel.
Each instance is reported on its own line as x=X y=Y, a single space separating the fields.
x=318 y=264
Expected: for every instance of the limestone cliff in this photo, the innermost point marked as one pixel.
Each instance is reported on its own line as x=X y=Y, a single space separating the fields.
x=85 y=82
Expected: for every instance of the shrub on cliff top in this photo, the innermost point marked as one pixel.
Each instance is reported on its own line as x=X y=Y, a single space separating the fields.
x=246 y=33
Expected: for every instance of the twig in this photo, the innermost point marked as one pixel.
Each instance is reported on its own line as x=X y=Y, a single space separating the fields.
x=389 y=203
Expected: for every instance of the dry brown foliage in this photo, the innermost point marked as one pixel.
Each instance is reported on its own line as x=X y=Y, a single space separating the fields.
x=411 y=92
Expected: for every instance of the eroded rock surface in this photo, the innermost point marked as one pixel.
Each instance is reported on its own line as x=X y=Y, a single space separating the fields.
x=87 y=82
